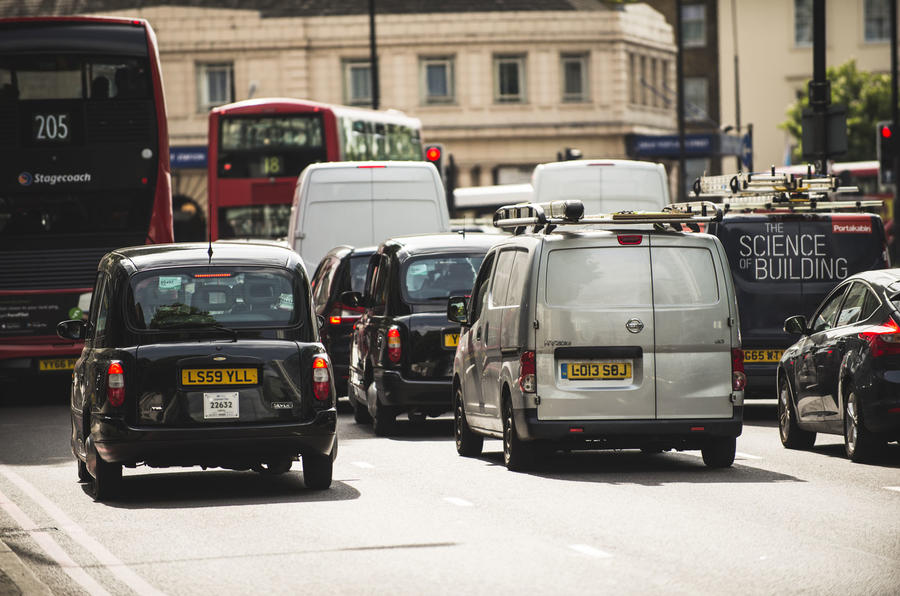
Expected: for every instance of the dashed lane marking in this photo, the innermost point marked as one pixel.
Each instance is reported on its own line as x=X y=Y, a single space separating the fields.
x=363 y=464
x=894 y=488
x=745 y=455
x=590 y=551
x=458 y=502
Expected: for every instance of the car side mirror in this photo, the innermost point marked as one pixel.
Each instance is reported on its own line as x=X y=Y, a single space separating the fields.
x=320 y=321
x=457 y=309
x=354 y=299
x=72 y=329
x=796 y=324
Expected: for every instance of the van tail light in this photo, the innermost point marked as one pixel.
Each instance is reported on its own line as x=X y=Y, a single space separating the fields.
x=393 y=344
x=115 y=384
x=321 y=379
x=738 y=376
x=884 y=339
x=527 y=376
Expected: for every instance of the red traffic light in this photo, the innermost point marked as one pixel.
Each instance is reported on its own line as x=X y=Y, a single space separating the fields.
x=886 y=131
x=433 y=154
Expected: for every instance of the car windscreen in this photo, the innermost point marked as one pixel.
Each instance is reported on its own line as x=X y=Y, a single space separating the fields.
x=437 y=277
x=200 y=297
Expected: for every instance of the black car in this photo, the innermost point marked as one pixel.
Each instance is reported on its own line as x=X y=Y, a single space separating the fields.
x=785 y=263
x=343 y=269
x=843 y=374
x=201 y=355
x=401 y=359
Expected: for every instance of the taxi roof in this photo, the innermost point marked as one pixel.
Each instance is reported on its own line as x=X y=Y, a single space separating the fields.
x=456 y=242
x=243 y=252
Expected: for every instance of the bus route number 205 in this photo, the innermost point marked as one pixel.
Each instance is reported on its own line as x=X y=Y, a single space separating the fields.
x=51 y=127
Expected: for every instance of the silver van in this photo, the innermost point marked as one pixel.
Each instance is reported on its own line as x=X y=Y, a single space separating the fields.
x=620 y=336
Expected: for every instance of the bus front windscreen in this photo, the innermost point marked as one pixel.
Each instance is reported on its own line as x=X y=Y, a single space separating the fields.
x=269 y=146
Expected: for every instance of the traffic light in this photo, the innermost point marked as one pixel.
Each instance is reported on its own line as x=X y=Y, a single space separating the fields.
x=886 y=147
x=569 y=154
x=435 y=154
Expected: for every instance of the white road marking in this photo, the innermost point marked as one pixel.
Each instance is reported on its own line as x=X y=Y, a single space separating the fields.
x=50 y=546
x=590 y=551
x=746 y=455
x=363 y=464
x=896 y=488
x=458 y=502
x=65 y=524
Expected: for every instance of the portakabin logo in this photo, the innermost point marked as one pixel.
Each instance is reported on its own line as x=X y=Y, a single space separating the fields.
x=852 y=225
x=25 y=179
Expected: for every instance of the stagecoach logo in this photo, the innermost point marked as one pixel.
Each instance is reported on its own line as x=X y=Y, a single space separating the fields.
x=27 y=179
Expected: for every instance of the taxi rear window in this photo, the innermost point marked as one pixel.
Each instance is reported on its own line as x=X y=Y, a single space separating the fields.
x=436 y=278
x=215 y=296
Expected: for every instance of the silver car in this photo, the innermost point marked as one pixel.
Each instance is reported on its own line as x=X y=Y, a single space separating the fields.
x=608 y=334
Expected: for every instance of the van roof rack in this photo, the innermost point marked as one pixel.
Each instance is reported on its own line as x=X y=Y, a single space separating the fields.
x=547 y=216
x=746 y=191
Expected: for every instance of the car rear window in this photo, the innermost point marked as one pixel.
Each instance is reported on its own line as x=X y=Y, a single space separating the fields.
x=215 y=296
x=436 y=278
x=589 y=277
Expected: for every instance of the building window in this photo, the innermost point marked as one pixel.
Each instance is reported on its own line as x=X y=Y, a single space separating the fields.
x=877 y=16
x=357 y=82
x=693 y=25
x=574 y=77
x=803 y=22
x=216 y=84
x=437 y=79
x=632 y=78
x=509 y=79
x=696 y=102
x=643 y=81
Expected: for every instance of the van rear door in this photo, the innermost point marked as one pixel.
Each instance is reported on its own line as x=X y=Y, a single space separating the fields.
x=594 y=346
x=407 y=200
x=692 y=312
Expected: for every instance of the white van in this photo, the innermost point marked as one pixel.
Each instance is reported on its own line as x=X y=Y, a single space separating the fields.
x=599 y=338
x=603 y=185
x=362 y=203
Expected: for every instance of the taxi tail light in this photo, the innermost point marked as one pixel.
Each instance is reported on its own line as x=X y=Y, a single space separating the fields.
x=738 y=376
x=321 y=379
x=115 y=384
x=884 y=339
x=393 y=344
x=527 y=374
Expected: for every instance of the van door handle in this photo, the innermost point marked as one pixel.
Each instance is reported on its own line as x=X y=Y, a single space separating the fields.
x=478 y=334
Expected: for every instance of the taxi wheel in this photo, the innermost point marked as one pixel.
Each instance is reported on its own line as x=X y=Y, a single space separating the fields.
x=108 y=482
x=859 y=443
x=317 y=470
x=792 y=436
x=468 y=444
x=518 y=455
x=360 y=412
x=719 y=452
x=383 y=421
x=83 y=474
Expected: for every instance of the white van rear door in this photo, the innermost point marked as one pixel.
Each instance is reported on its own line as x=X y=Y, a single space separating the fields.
x=693 y=336
x=594 y=341
x=407 y=200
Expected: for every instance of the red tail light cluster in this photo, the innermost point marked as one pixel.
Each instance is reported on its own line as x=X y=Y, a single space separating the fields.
x=527 y=372
x=393 y=345
x=738 y=376
x=115 y=384
x=883 y=339
x=321 y=379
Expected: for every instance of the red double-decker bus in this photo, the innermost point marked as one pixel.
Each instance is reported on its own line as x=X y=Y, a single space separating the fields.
x=258 y=147
x=84 y=169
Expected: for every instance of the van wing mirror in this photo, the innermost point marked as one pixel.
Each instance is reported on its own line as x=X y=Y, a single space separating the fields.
x=320 y=321
x=72 y=329
x=457 y=309
x=796 y=324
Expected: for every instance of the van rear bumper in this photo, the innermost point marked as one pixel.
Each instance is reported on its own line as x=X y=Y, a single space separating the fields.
x=601 y=434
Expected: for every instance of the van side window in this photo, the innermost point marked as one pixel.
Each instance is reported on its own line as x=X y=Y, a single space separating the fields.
x=479 y=291
x=827 y=315
x=501 y=279
x=517 y=279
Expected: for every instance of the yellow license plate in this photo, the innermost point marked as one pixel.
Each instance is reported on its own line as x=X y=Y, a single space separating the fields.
x=762 y=355
x=596 y=371
x=219 y=376
x=451 y=340
x=57 y=364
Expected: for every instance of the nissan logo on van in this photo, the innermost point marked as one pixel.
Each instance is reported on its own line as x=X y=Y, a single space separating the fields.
x=634 y=325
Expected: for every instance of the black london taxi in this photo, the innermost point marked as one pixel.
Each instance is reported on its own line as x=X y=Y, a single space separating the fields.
x=401 y=355
x=343 y=269
x=201 y=355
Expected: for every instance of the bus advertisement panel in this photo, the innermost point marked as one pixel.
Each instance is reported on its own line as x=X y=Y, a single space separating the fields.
x=257 y=149
x=84 y=169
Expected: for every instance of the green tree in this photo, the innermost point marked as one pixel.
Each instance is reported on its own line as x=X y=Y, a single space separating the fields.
x=867 y=96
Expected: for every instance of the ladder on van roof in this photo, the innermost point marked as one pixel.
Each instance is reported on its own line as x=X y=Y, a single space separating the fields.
x=773 y=191
x=546 y=216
